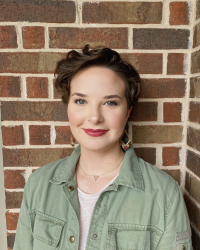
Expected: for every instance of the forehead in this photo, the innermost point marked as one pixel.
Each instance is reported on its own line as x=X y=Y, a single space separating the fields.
x=97 y=78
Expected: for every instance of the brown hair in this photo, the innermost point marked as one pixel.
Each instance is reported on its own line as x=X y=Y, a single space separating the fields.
x=75 y=62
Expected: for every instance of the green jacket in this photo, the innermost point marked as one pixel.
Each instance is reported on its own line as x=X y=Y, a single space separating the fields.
x=143 y=209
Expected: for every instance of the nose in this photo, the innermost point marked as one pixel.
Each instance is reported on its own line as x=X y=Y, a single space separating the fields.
x=95 y=115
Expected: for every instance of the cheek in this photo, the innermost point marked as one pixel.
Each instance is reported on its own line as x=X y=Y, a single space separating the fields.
x=74 y=116
x=117 y=120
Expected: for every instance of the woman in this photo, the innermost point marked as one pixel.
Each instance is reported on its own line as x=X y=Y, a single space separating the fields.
x=102 y=196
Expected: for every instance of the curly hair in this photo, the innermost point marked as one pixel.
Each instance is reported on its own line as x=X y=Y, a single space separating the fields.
x=74 y=62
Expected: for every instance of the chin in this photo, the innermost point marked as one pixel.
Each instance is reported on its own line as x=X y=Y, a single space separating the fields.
x=95 y=146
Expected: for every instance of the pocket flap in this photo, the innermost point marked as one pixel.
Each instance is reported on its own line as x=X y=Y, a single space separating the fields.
x=46 y=228
x=133 y=237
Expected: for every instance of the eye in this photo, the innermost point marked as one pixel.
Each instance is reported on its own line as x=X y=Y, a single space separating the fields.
x=80 y=101
x=111 y=103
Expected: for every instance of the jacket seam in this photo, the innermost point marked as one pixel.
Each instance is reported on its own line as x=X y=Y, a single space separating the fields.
x=29 y=188
x=171 y=202
x=62 y=170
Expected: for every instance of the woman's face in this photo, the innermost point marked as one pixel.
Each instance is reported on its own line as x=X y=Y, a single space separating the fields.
x=97 y=101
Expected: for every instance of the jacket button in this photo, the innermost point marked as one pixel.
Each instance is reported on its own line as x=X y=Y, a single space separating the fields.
x=72 y=239
x=95 y=236
x=71 y=188
x=183 y=247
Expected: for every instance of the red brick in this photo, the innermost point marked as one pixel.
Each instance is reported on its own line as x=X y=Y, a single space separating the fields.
x=63 y=135
x=70 y=38
x=56 y=95
x=11 y=220
x=195 y=62
x=13 y=199
x=147 y=154
x=163 y=88
x=192 y=185
x=193 y=138
x=144 y=111
x=157 y=134
x=39 y=135
x=193 y=162
x=10 y=86
x=8 y=37
x=13 y=135
x=33 y=37
x=196 y=36
x=179 y=13
x=10 y=240
x=197 y=9
x=195 y=87
x=171 y=156
x=33 y=111
x=193 y=211
x=19 y=62
x=37 y=87
x=33 y=170
x=175 y=63
x=148 y=38
x=195 y=239
x=172 y=111
x=38 y=11
x=33 y=156
x=145 y=63
x=175 y=174
x=14 y=179
x=124 y=12
x=194 y=113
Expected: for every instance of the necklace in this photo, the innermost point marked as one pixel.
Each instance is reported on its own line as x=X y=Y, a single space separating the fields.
x=97 y=176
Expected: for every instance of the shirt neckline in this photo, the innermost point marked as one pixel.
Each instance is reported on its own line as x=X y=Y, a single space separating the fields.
x=96 y=194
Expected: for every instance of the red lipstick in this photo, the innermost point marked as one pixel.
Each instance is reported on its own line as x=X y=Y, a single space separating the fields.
x=95 y=132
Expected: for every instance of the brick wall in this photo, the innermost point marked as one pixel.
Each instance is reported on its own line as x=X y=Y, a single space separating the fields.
x=160 y=38
x=192 y=181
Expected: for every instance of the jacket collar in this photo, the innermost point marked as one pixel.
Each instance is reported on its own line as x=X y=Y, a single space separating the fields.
x=130 y=173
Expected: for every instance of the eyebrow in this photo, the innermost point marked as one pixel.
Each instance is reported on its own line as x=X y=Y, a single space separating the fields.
x=105 y=97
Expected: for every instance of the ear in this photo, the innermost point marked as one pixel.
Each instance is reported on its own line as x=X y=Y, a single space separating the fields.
x=128 y=113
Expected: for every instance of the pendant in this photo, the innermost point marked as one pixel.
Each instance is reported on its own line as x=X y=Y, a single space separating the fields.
x=96 y=177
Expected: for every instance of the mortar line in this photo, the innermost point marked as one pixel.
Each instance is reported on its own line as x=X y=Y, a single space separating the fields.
x=165 y=60
x=179 y=144
x=193 y=150
x=143 y=76
x=192 y=198
x=78 y=4
x=23 y=88
x=165 y=13
x=195 y=229
x=39 y=146
x=19 y=35
x=66 y=50
x=46 y=37
x=193 y=174
x=193 y=125
x=130 y=38
x=8 y=99
x=186 y=101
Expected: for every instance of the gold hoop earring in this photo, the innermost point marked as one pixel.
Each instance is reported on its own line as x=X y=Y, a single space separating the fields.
x=125 y=141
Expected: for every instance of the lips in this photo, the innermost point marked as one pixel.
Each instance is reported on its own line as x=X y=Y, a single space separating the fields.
x=95 y=132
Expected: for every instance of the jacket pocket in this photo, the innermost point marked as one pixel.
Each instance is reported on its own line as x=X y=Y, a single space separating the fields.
x=132 y=237
x=46 y=228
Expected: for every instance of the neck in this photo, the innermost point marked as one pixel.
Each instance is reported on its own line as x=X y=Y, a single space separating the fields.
x=99 y=162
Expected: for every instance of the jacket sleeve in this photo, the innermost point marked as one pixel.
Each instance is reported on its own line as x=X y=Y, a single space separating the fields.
x=177 y=234
x=23 y=237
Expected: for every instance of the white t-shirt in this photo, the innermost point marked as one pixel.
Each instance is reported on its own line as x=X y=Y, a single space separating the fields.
x=87 y=203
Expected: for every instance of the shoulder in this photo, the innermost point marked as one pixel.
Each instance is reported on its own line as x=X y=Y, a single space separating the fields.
x=47 y=172
x=157 y=181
